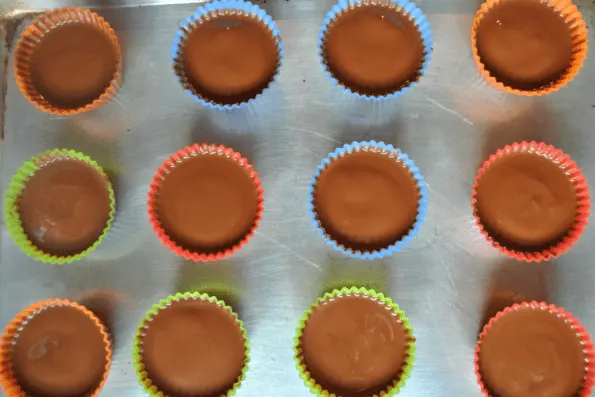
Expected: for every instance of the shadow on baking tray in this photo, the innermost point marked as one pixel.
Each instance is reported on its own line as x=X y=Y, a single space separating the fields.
x=221 y=279
x=511 y=282
x=339 y=273
x=536 y=123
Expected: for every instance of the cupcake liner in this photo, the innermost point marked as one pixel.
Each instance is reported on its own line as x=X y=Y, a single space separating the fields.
x=35 y=33
x=406 y=7
x=422 y=206
x=213 y=10
x=317 y=389
x=579 y=182
x=7 y=376
x=171 y=162
x=11 y=205
x=137 y=347
x=579 y=33
x=581 y=333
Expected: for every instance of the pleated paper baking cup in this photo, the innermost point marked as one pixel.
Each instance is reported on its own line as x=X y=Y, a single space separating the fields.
x=13 y=193
x=8 y=379
x=387 y=150
x=583 y=198
x=137 y=347
x=578 y=31
x=154 y=191
x=408 y=9
x=581 y=333
x=34 y=35
x=215 y=9
x=391 y=389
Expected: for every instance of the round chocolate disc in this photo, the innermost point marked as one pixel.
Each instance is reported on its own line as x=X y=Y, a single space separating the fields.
x=230 y=59
x=525 y=44
x=354 y=345
x=193 y=348
x=73 y=65
x=366 y=200
x=59 y=352
x=532 y=352
x=207 y=203
x=374 y=50
x=525 y=201
x=64 y=207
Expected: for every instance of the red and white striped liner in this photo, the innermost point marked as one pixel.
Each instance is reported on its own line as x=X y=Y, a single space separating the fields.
x=167 y=166
x=581 y=333
x=583 y=198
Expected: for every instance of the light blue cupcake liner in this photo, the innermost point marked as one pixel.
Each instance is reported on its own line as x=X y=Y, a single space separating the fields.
x=406 y=7
x=211 y=10
x=422 y=206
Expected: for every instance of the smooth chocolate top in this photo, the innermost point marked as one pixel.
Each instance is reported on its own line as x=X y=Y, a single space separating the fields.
x=374 y=50
x=532 y=352
x=64 y=207
x=60 y=352
x=526 y=201
x=354 y=346
x=73 y=65
x=366 y=200
x=525 y=44
x=230 y=59
x=207 y=203
x=193 y=348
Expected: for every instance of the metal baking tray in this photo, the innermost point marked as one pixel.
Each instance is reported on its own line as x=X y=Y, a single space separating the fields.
x=447 y=280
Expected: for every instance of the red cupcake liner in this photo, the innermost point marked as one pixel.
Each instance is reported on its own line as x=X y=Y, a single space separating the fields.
x=161 y=174
x=8 y=380
x=583 y=205
x=574 y=323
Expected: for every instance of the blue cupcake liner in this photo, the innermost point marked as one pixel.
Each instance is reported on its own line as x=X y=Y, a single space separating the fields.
x=406 y=7
x=422 y=206
x=211 y=10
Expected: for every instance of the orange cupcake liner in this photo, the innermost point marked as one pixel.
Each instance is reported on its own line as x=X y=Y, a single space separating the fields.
x=583 y=197
x=578 y=30
x=8 y=380
x=574 y=323
x=35 y=32
x=167 y=166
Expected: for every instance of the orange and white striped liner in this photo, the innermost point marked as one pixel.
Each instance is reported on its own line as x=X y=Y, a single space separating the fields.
x=578 y=31
x=583 y=200
x=581 y=333
x=31 y=38
x=8 y=380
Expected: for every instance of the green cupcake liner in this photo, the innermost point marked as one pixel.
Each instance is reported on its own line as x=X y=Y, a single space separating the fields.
x=318 y=390
x=137 y=359
x=11 y=205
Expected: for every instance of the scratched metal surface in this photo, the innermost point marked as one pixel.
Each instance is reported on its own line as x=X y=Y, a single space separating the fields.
x=447 y=280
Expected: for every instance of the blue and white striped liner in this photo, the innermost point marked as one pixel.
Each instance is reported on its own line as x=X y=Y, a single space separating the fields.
x=422 y=206
x=406 y=7
x=211 y=10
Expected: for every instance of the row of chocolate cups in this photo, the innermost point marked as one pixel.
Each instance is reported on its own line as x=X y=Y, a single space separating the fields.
x=366 y=199
x=63 y=85
x=195 y=344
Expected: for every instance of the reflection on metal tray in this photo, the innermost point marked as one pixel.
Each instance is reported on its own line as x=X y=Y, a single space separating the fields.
x=446 y=279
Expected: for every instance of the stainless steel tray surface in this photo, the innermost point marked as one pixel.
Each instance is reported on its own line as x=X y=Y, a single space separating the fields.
x=448 y=280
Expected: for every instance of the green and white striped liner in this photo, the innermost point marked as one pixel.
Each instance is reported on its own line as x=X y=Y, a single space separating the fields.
x=13 y=193
x=137 y=347
x=392 y=389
